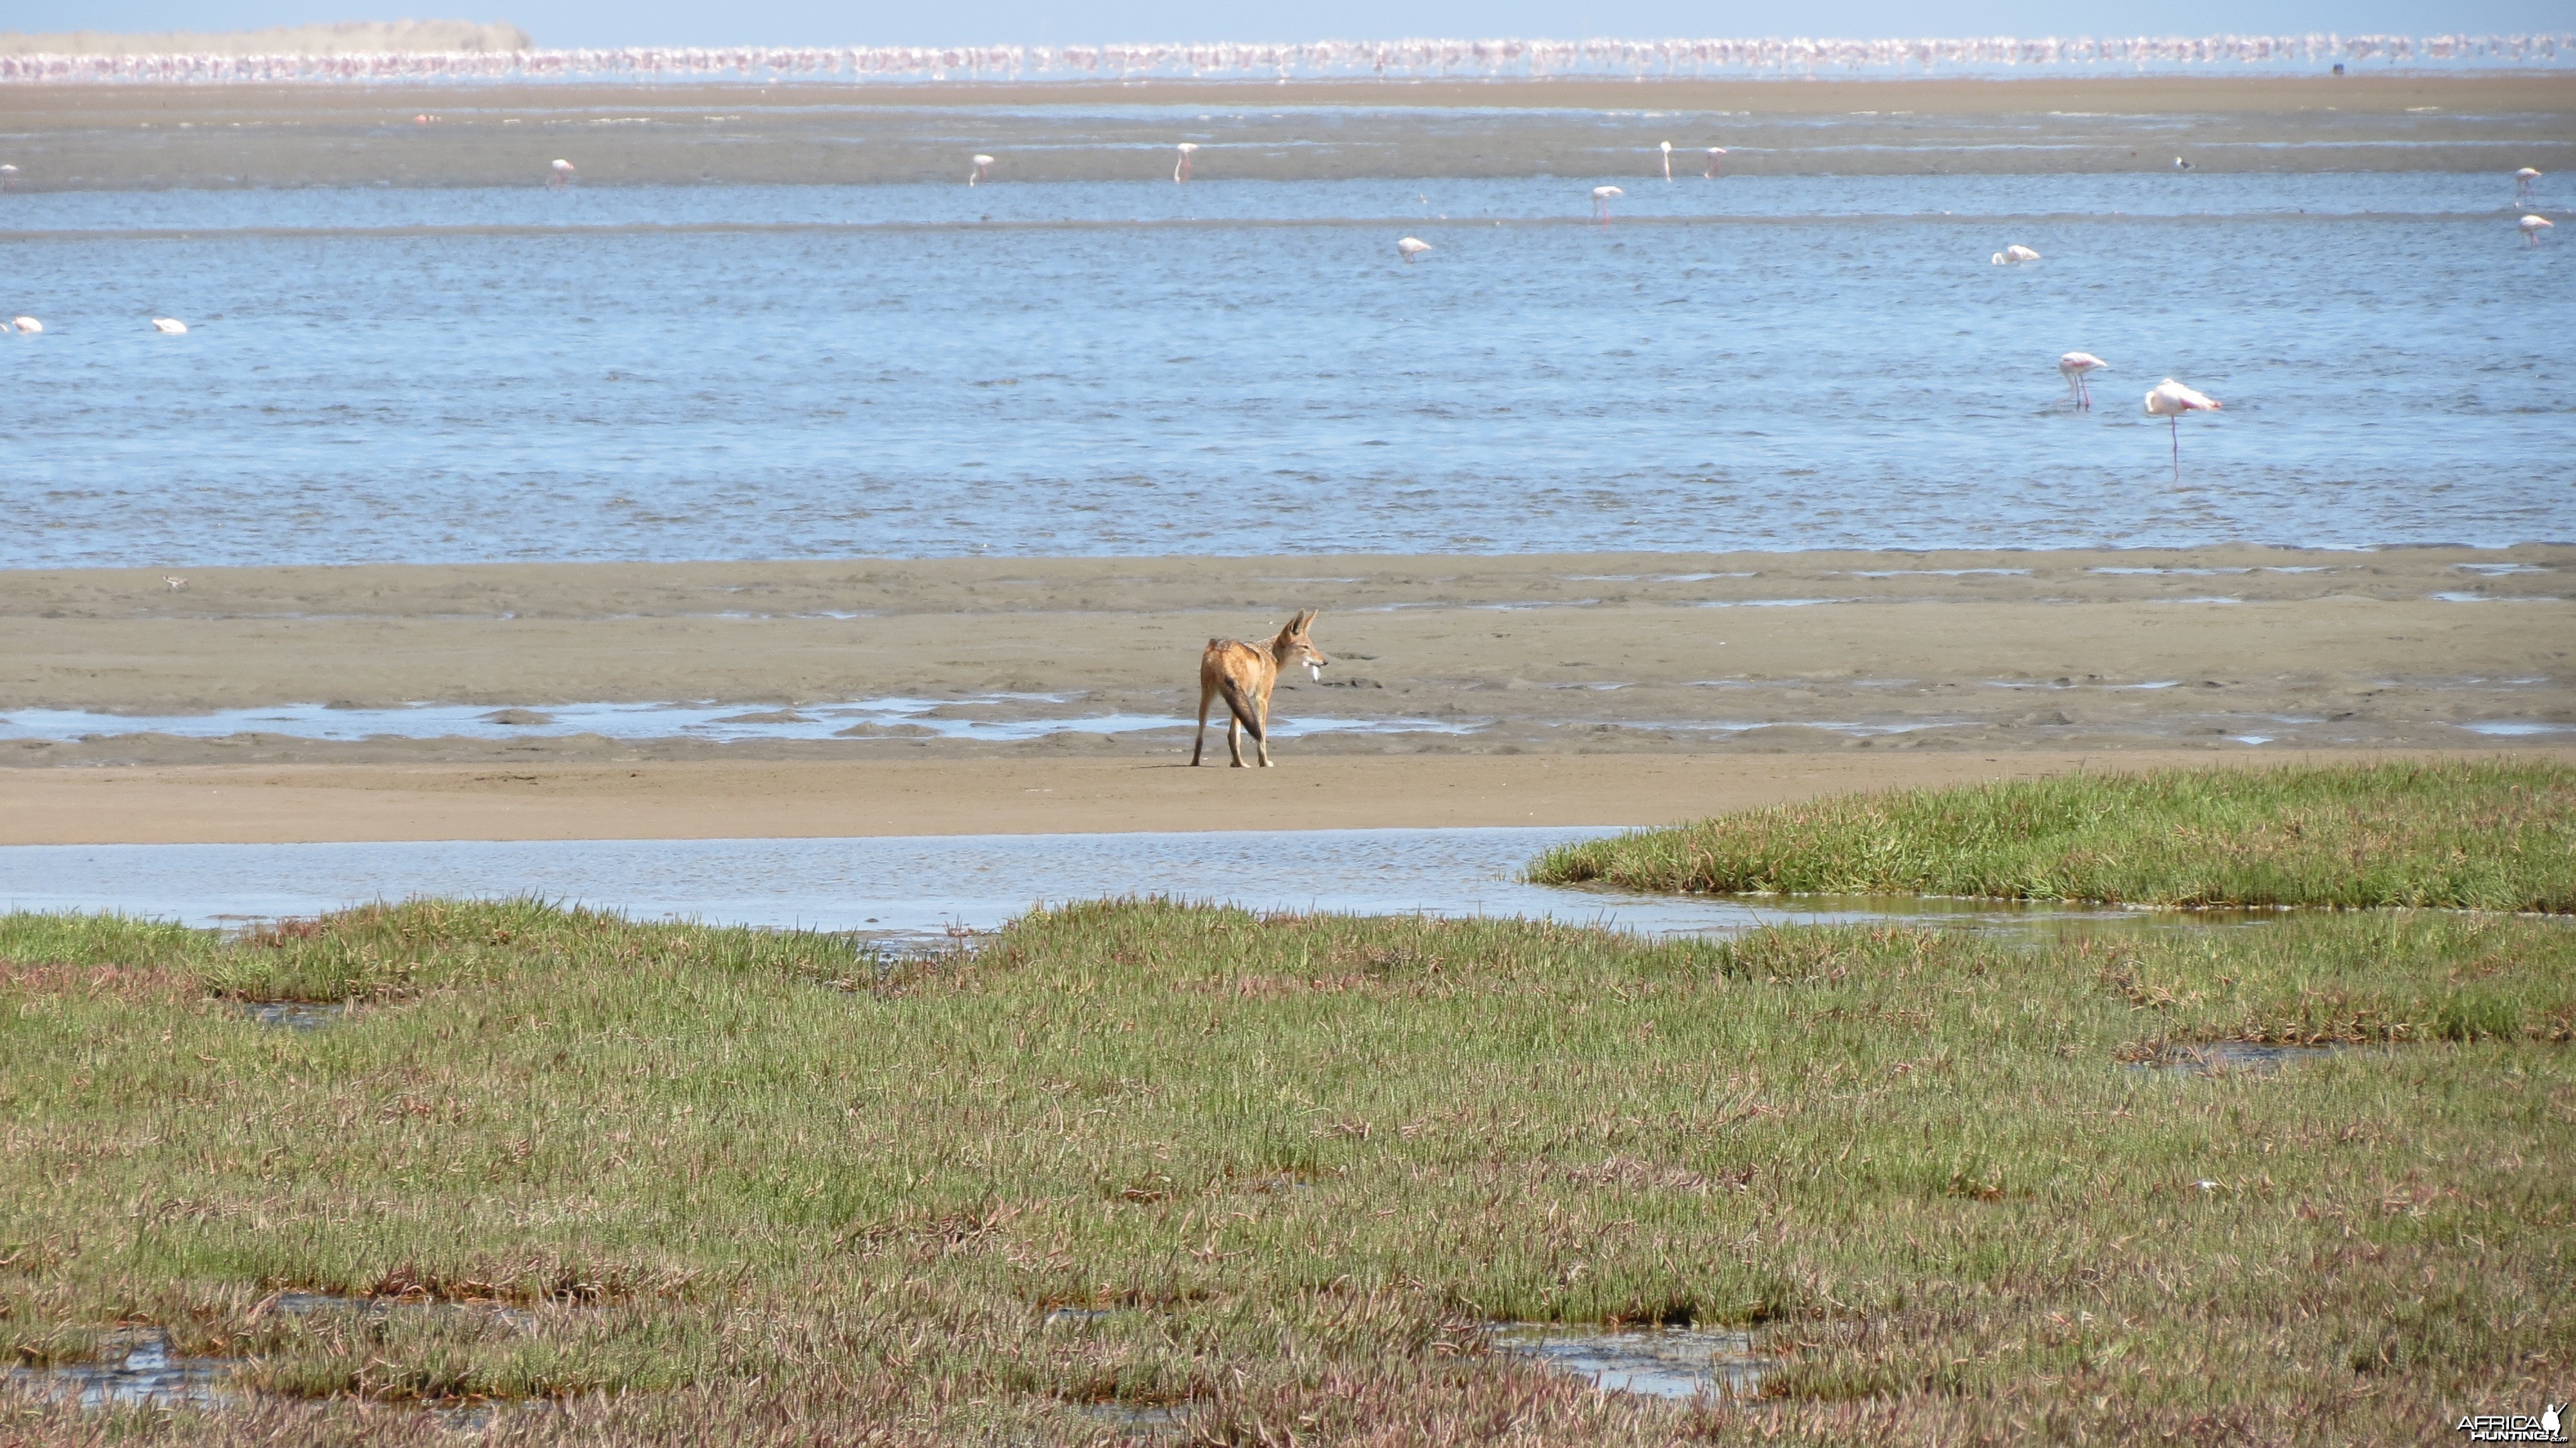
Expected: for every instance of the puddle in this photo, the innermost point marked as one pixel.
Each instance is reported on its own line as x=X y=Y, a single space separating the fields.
x=920 y=888
x=149 y=1375
x=2493 y=598
x=1655 y=1362
x=1001 y=718
x=2515 y=728
x=2214 y=1058
x=295 y=1015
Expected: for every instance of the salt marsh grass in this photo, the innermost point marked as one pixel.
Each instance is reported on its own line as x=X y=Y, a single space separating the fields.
x=689 y=1184
x=2489 y=835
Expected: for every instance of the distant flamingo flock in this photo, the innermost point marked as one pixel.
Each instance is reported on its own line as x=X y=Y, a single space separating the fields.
x=1494 y=59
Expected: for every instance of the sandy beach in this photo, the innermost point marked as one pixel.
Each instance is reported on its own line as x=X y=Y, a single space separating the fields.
x=146 y=136
x=1623 y=688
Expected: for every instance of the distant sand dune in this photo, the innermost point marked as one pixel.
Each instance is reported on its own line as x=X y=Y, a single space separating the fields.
x=347 y=37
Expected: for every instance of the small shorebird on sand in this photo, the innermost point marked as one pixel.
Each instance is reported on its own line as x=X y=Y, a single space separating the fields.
x=2532 y=226
x=2012 y=255
x=169 y=326
x=1601 y=202
x=983 y=169
x=175 y=581
x=1410 y=247
x=2072 y=367
x=1181 y=170
x=2170 y=400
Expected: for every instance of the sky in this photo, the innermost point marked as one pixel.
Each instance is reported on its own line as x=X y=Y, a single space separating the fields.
x=1060 y=22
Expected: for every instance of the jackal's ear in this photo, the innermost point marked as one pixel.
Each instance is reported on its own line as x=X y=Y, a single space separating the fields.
x=1304 y=620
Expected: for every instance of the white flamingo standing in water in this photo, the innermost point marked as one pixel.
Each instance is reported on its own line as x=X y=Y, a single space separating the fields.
x=983 y=169
x=2073 y=367
x=8 y=177
x=1716 y=162
x=1668 y=160
x=2170 y=400
x=2532 y=226
x=562 y=170
x=2522 y=181
x=2012 y=256
x=1181 y=172
x=1410 y=247
x=28 y=325
x=1601 y=202
x=169 y=326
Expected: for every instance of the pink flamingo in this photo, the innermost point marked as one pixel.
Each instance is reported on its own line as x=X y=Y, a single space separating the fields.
x=2170 y=400
x=1668 y=160
x=1716 y=162
x=2522 y=182
x=8 y=177
x=1601 y=201
x=562 y=173
x=1181 y=172
x=1410 y=247
x=983 y=169
x=2532 y=226
x=2072 y=367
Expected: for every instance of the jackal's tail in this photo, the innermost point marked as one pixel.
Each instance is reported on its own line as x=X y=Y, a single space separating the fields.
x=1240 y=707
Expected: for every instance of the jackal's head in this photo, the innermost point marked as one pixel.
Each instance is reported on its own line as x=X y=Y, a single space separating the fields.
x=1294 y=647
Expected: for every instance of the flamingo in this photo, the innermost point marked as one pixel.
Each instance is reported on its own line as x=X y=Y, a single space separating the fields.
x=28 y=325
x=8 y=176
x=1668 y=160
x=2072 y=367
x=983 y=169
x=562 y=173
x=2522 y=181
x=2011 y=255
x=1601 y=201
x=169 y=326
x=2170 y=400
x=2532 y=226
x=1181 y=172
x=1410 y=247
x=1716 y=162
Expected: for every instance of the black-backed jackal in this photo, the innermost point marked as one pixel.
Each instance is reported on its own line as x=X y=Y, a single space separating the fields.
x=1244 y=674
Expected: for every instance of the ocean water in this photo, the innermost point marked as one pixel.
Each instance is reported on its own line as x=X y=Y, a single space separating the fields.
x=652 y=373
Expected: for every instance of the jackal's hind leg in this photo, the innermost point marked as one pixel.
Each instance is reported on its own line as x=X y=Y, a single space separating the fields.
x=1234 y=738
x=1264 y=739
x=1204 y=692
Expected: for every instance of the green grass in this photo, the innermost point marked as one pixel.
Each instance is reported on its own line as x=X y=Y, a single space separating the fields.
x=2476 y=836
x=766 y=1188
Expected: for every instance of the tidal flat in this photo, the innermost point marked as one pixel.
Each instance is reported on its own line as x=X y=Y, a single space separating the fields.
x=1127 y=1170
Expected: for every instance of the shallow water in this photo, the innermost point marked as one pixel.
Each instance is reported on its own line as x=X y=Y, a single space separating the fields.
x=145 y=1375
x=1658 y=1362
x=970 y=718
x=1244 y=367
x=917 y=887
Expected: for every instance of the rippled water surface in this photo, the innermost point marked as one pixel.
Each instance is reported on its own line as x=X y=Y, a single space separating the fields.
x=1763 y=362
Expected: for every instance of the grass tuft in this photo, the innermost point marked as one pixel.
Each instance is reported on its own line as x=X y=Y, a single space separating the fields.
x=2485 y=835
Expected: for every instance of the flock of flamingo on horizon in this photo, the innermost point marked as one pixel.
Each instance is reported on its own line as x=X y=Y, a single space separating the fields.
x=2168 y=399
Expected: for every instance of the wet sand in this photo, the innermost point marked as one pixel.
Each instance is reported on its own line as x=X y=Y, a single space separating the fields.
x=121 y=136
x=1596 y=688
x=757 y=799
